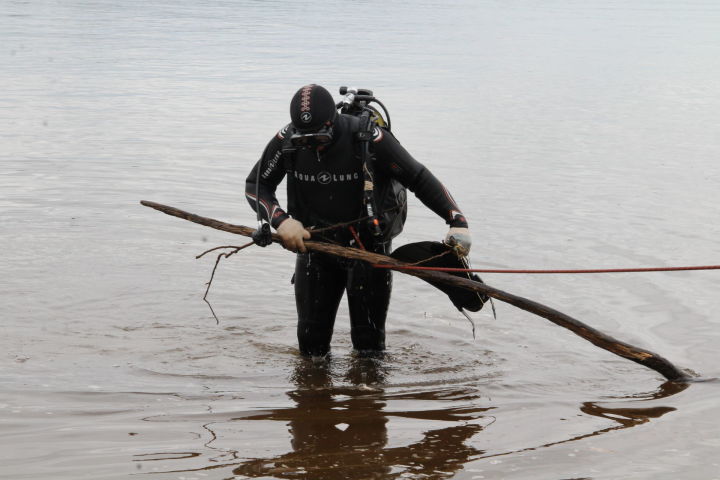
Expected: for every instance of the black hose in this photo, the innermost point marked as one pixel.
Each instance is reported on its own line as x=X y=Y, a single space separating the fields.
x=387 y=114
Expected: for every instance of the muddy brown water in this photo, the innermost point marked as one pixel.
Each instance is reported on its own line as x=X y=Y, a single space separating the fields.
x=573 y=135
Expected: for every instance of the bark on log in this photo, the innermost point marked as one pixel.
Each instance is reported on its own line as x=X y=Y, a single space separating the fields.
x=643 y=357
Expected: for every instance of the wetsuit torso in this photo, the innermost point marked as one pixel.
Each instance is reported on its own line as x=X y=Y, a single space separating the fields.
x=325 y=187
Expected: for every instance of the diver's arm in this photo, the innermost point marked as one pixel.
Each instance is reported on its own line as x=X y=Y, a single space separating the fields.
x=272 y=172
x=393 y=159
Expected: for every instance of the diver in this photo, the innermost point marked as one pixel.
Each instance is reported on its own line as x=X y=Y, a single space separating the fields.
x=330 y=158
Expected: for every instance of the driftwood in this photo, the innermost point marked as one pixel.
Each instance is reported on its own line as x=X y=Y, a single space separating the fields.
x=643 y=357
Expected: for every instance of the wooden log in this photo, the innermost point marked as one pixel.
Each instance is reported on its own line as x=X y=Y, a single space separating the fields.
x=643 y=357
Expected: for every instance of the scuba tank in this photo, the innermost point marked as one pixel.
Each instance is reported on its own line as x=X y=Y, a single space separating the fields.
x=384 y=201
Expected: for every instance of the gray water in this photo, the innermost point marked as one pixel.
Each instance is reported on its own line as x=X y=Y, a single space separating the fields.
x=572 y=134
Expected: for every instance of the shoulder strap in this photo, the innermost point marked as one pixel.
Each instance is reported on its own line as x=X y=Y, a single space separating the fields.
x=363 y=136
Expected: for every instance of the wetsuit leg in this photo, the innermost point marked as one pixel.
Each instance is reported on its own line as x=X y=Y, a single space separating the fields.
x=368 y=300
x=319 y=286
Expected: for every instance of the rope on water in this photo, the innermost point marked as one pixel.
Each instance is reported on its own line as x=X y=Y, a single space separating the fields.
x=556 y=271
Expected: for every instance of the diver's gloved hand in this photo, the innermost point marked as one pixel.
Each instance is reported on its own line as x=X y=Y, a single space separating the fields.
x=292 y=234
x=460 y=238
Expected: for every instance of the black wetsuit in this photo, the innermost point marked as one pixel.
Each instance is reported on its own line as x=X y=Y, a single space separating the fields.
x=326 y=188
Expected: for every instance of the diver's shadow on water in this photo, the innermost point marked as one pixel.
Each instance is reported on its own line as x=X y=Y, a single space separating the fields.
x=339 y=426
x=341 y=431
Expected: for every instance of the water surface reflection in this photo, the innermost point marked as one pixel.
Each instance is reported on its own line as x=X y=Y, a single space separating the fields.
x=339 y=427
x=341 y=432
x=622 y=416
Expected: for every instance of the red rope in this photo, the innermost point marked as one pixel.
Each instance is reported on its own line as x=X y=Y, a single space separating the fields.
x=357 y=237
x=595 y=270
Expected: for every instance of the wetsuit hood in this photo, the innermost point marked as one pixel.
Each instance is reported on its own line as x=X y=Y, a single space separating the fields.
x=311 y=108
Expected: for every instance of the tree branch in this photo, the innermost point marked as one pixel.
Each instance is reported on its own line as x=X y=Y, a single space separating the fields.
x=630 y=352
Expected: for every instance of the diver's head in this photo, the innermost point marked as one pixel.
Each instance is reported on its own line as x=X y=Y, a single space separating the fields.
x=312 y=112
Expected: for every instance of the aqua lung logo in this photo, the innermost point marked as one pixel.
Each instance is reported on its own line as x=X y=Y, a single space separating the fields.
x=306 y=117
x=325 y=178
x=271 y=164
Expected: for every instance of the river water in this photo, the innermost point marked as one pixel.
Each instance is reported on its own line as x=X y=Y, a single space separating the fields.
x=572 y=134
